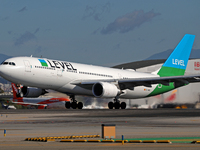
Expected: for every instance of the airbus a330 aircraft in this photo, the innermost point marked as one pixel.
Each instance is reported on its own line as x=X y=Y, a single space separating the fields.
x=101 y=82
x=41 y=103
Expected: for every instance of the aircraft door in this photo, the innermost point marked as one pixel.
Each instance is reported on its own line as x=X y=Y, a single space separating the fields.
x=27 y=66
x=59 y=72
x=119 y=76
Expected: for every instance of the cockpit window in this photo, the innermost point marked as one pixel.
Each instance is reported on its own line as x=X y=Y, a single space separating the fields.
x=5 y=63
x=8 y=63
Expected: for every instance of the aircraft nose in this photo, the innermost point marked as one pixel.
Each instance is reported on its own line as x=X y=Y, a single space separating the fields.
x=3 y=71
x=0 y=70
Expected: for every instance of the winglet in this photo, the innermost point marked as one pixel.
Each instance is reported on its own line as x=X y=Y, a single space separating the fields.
x=176 y=63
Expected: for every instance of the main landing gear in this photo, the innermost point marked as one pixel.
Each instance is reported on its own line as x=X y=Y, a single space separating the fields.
x=117 y=104
x=74 y=103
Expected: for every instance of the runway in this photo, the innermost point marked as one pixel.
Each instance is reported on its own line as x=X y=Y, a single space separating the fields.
x=133 y=124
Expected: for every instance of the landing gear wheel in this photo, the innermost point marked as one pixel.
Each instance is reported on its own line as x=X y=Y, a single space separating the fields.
x=67 y=105
x=117 y=105
x=74 y=105
x=110 y=105
x=123 y=105
x=80 y=105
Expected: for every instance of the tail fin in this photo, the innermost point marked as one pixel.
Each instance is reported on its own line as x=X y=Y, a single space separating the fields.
x=3 y=106
x=176 y=63
x=15 y=91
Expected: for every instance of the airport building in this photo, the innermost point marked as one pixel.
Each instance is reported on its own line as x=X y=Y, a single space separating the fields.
x=189 y=95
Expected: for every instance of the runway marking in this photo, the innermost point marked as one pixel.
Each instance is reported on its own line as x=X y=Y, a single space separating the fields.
x=112 y=144
x=195 y=120
x=54 y=144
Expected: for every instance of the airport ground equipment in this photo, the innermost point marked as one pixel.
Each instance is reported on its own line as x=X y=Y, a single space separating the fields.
x=108 y=131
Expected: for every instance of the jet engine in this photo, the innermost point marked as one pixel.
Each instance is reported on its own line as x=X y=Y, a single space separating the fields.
x=105 y=90
x=32 y=92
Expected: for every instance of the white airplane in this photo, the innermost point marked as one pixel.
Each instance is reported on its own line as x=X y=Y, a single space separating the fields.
x=7 y=106
x=101 y=82
x=41 y=103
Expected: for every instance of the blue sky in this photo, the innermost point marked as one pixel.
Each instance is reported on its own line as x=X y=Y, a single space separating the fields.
x=99 y=32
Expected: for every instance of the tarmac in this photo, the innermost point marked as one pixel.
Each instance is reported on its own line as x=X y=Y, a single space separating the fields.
x=180 y=126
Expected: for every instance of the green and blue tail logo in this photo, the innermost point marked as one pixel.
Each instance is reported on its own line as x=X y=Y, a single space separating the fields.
x=43 y=62
x=176 y=64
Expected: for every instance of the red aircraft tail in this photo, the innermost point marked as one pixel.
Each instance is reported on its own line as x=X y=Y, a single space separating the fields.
x=15 y=90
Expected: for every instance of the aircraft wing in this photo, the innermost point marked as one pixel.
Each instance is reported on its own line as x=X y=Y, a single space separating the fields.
x=87 y=84
x=131 y=83
x=177 y=80
x=35 y=104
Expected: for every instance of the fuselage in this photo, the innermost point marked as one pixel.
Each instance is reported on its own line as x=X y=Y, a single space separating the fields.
x=49 y=103
x=58 y=75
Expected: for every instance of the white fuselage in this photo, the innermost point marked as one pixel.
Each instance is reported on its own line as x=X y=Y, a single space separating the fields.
x=58 y=75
